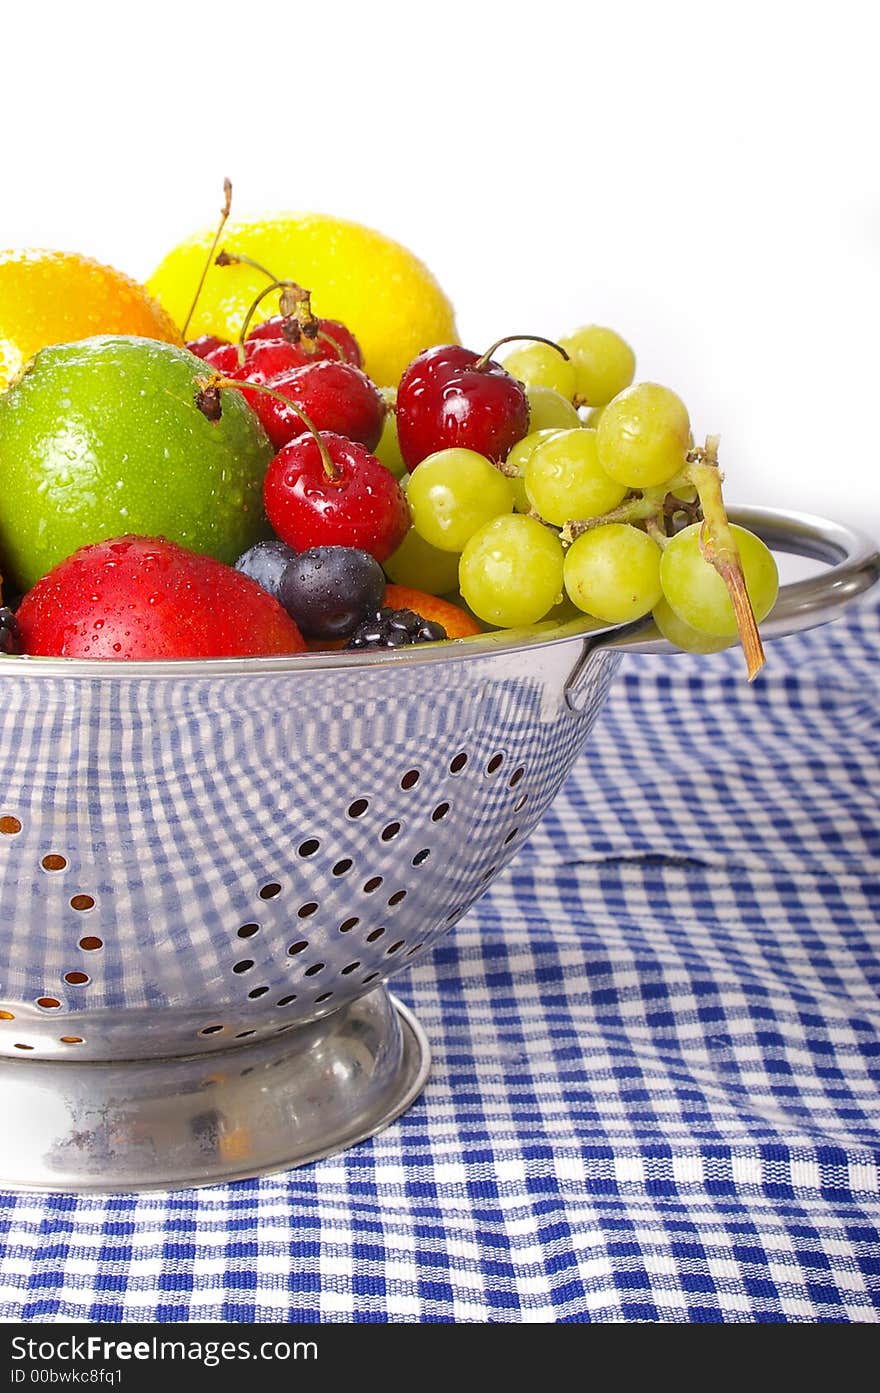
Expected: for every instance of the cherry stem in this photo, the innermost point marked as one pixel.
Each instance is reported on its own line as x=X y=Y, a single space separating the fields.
x=205 y=384
x=718 y=546
x=224 y=214
x=328 y=338
x=225 y=258
x=486 y=357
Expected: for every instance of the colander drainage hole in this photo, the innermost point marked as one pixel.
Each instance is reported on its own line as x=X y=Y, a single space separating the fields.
x=48 y=1003
x=510 y=836
x=91 y=944
x=410 y=779
x=314 y=970
x=520 y=803
x=53 y=862
x=458 y=763
x=325 y=996
x=10 y=827
x=82 y=903
x=370 y=977
x=515 y=777
x=77 y=979
x=286 y=1000
x=415 y=948
x=348 y=924
x=7 y=1015
x=390 y=832
x=299 y=947
x=421 y=856
x=248 y=930
x=243 y=1034
x=210 y=1029
x=396 y=898
x=495 y=764
x=395 y=947
x=377 y=933
x=440 y=812
x=349 y=967
x=309 y=846
x=257 y=992
x=342 y=866
x=24 y=1047
x=71 y=1039
x=372 y=884
x=306 y=910
x=358 y=807
x=244 y=965
x=268 y=892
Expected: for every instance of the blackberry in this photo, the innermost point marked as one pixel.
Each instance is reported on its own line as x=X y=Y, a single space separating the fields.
x=395 y=628
x=10 y=638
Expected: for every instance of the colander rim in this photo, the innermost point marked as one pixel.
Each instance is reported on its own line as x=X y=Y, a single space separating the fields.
x=852 y=556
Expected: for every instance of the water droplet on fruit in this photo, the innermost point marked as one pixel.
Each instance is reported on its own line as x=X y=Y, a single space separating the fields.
x=117 y=648
x=98 y=624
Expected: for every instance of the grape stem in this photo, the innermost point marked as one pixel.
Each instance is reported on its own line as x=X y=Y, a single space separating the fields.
x=224 y=214
x=485 y=358
x=634 y=508
x=208 y=402
x=718 y=547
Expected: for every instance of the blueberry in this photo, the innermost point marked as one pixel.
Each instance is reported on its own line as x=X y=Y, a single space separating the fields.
x=266 y=562
x=329 y=590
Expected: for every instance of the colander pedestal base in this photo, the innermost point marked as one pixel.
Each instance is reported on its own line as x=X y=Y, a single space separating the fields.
x=205 y=1119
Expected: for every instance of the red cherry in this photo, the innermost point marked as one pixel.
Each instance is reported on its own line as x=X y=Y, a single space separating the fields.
x=337 y=397
x=444 y=401
x=349 y=348
x=144 y=597
x=218 y=352
x=362 y=506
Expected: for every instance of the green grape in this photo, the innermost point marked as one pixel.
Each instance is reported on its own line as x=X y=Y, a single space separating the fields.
x=519 y=458
x=418 y=564
x=613 y=572
x=604 y=363
x=511 y=571
x=452 y=493
x=696 y=592
x=565 y=481
x=549 y=410
x=643 y=436
x=388 y=450
x=682 y=635
x=539 y=365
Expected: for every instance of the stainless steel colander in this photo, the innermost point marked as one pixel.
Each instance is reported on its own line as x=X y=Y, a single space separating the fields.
x=208 y=870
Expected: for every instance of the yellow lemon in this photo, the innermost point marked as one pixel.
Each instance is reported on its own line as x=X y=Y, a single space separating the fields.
x=49 y=297
x=382 y=292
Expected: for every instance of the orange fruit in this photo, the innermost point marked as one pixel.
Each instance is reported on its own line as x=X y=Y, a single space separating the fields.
x=455 y=620
x=49 y=297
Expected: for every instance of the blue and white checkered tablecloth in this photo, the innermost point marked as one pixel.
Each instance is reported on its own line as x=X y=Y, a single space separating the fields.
x=657 y=1053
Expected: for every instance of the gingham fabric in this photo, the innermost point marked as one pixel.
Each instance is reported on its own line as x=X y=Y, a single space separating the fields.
x=656 y=1057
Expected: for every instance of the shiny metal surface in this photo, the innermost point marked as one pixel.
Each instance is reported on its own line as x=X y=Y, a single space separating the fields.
x=199 y=856
x=207 y=1119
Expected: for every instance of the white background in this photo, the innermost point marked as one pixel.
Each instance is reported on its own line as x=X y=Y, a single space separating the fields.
x=703 y=177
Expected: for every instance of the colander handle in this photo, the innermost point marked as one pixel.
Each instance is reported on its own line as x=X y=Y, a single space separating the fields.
x=852 y=557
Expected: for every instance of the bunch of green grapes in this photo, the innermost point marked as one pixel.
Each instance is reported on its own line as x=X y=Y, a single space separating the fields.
x=588 y=508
